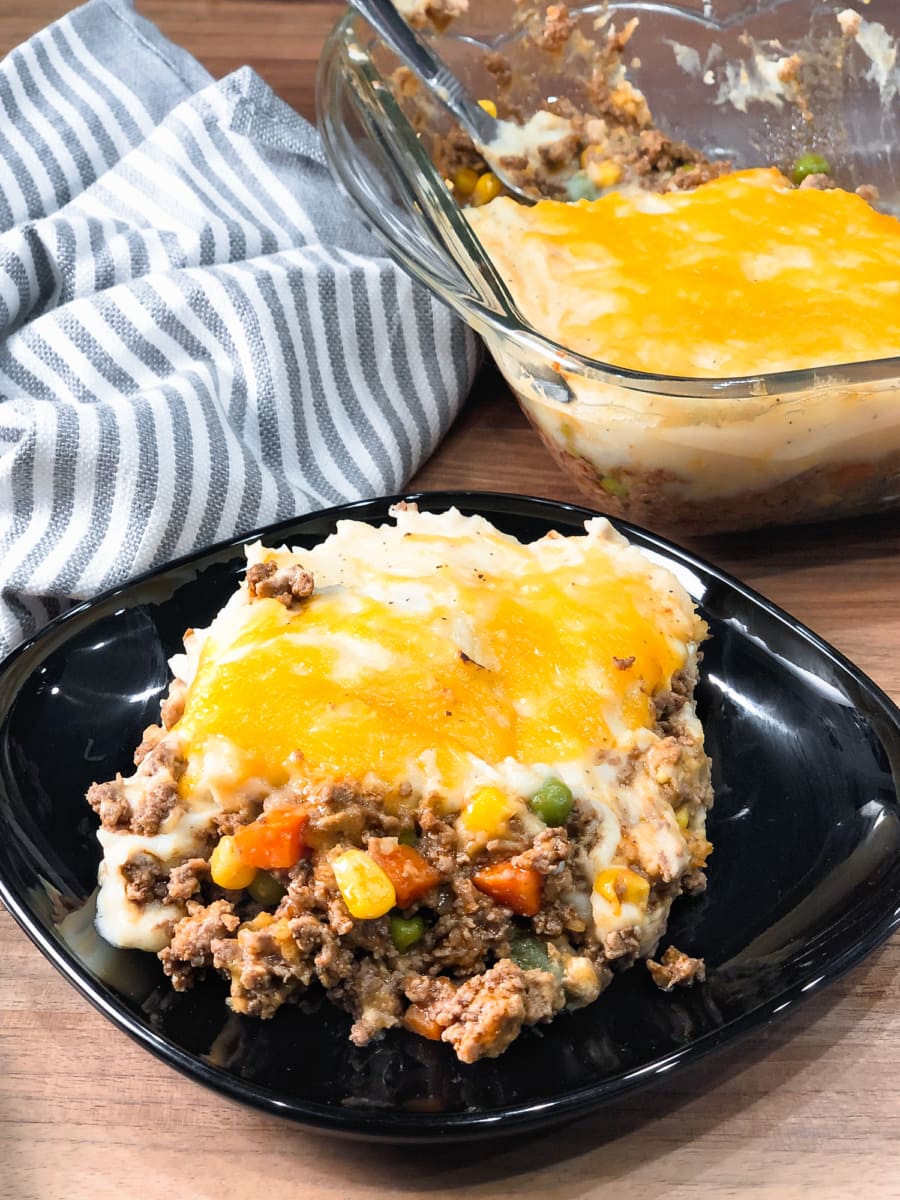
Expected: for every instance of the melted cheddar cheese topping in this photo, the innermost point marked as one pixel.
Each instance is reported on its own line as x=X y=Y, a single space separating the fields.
x=439 y=638
x=745 y=274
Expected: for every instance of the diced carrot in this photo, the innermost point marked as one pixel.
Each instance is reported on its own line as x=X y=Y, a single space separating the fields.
x=274 y=839
x=418 y=1021
x=410 y=873
x=519 y=888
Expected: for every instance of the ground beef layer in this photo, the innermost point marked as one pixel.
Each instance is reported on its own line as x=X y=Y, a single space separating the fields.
x=475 y=978
x=665 y=501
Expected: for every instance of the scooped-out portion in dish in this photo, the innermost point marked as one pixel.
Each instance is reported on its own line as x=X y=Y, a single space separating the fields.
x=455 y=779
x=573 y=125
x=565 y=147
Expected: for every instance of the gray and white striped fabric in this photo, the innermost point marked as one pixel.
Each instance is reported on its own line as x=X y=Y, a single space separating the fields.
x=196 y=335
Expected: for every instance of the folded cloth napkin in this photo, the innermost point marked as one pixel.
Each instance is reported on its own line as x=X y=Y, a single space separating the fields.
x=198 y=337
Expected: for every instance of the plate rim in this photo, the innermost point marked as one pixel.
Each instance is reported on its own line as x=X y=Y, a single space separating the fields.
x=409 y=1127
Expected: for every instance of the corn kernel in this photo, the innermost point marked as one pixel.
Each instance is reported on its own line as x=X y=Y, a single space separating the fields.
x=227 y=868
x=367 y=891
x=489 y=107
x=486 y=189
x=464 y=181
x=487 y=812
x=619 y=886
x=603 y=174
x=682 y=816
x=590 y=154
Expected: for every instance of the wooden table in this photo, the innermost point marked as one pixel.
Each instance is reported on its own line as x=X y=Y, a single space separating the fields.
x=811 y=1108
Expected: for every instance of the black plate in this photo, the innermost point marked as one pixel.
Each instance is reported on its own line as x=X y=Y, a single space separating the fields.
x=804 y=881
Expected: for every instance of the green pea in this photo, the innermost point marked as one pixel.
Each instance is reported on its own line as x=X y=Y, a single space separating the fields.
x=265 y=889
x=809 y=164
x=406 y=931
x=613 y=486
x=552 y=802
x=580 y=187
x=529 y=953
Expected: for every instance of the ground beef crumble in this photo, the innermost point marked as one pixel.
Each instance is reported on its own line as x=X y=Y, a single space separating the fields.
x=109 y=803
x=435 y=14
x=557 y=28
x=145 y=878
x=676 y=969
x=458 y=976
x=190 y=951
x=186 y=881
x=485 y=1014
x=621 y=946
x=264 y=963
x=143 y=807
x=289 y=585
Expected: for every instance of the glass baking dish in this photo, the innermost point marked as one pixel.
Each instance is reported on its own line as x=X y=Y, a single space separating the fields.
x=682 y=455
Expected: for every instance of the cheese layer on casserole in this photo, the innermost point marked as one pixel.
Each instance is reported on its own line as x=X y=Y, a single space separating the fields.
x=439 y=646
x=743 y=275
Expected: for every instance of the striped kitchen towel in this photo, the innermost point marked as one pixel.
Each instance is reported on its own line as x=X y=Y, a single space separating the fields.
x=198 y=337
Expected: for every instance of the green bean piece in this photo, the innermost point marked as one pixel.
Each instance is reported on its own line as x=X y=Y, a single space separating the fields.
x=552 y=802
x=406 y=931
x=407 y=837
x=529 y=953
x=809 y=164
x=265 y=889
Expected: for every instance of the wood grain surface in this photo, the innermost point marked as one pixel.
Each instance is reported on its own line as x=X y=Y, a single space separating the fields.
x=810 y=1108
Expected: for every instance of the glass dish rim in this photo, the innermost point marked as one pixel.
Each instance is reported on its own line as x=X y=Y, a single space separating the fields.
x=347 y=69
